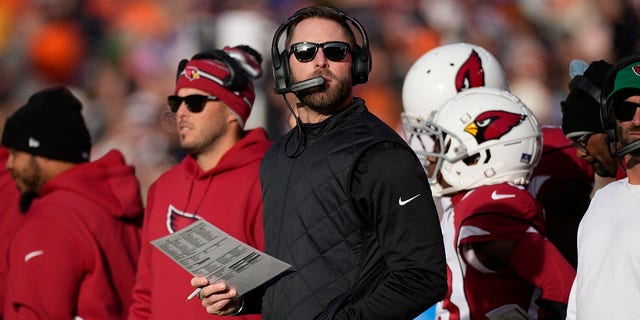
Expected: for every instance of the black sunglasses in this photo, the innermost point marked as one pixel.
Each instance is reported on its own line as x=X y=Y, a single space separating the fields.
x=624 y=110
x=333 y=50
x=195 y=102
x=581 y=142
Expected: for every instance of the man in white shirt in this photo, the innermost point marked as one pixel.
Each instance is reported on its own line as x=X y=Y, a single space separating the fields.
x=607 y=284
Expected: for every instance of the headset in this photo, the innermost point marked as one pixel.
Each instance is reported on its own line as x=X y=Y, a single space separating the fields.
x=361 y=65
x=235 y=81
x=584 y=84
x=607 y=116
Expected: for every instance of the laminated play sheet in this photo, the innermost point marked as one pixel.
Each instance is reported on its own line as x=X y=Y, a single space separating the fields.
x=204 y=250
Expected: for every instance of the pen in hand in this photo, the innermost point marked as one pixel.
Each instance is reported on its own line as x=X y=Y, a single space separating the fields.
x=193 y=294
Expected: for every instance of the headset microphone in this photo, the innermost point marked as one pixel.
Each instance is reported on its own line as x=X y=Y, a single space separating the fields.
x=307 y=84
x=627 y=149
x=301 y=86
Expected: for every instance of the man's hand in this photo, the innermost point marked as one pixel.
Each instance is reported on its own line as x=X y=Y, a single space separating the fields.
x=217 y=298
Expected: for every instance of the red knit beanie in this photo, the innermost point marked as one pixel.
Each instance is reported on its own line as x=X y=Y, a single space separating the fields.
x=229 y=80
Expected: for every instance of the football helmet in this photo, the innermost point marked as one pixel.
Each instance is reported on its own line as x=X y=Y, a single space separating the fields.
x=482 y=136
x=446 y=70
x=440 y=74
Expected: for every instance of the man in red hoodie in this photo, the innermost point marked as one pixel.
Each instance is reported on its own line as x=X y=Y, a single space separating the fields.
x=10 y=218
x=80 y=234
x=218 y=181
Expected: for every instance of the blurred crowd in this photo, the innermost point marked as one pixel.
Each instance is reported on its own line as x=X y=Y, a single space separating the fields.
x=120 y=56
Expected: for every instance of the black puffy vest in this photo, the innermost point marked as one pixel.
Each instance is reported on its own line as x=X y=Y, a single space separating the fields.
x=308 y=219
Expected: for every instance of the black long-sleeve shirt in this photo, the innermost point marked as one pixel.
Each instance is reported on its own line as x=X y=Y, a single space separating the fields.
x=391 y=193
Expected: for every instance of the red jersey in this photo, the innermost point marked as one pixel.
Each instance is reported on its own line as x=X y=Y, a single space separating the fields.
x=561 y=175
x=229 y=196
x=558 y=163
x=498 y=212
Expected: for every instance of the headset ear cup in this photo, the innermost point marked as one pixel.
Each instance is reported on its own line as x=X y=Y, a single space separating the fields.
x=236 y=80
x=280 y=64
x=286 y=71
x=361 y=65
x=355 y=65
x=181 y=66
x=605 y=118
x=611 y=124
x=608 y=124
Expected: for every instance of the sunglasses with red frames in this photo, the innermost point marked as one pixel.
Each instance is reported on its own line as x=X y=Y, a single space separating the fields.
x=195 y=102
x=624 y=110
x=333 y=50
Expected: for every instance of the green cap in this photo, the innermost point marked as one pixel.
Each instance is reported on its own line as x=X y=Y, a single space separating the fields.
x=627 y=79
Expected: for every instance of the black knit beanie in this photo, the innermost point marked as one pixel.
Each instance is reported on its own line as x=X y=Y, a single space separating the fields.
x=49 y=125
x=581 y=109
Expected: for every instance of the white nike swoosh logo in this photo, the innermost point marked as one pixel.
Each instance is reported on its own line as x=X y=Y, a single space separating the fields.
x=403 y=202
x=496 y=196
x=32 y=255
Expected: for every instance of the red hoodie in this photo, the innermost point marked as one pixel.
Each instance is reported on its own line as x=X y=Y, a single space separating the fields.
x=75 y=253
x=229 y=196
x=10 y=218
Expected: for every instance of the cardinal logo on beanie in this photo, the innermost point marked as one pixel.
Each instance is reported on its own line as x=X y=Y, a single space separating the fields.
x=191 y=73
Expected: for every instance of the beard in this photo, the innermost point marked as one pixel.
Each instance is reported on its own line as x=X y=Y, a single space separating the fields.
x=324 y=100
x=26 y=198
x=202 y=145
x=602 y=170
x=28 y=181
x=205 y=138
x=624 y=140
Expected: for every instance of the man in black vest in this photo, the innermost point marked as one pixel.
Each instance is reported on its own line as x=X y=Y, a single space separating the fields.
x=346 y=201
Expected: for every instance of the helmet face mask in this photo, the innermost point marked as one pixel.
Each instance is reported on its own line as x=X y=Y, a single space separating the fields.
x=482 y=136
x=420 y=135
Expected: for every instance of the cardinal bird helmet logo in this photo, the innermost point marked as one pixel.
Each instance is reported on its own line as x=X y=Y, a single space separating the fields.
x=493 y=124
x=482 y=135
x=470 y=74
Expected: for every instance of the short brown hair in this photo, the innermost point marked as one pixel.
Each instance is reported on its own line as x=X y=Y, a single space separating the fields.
x=324 y=12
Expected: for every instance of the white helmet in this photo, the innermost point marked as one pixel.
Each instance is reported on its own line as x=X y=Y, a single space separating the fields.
x=440 y=74
x=446 y=70
x=486 y=136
